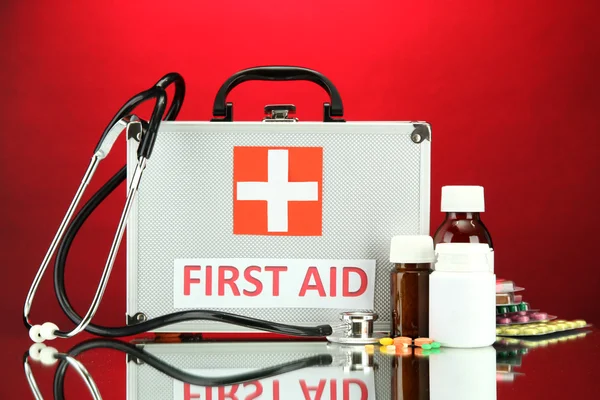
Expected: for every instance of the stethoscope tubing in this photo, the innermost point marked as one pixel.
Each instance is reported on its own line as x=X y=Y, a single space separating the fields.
x=120 y=121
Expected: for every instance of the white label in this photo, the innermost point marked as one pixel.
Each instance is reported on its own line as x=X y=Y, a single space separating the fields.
x=316 y=383
x=274 y=283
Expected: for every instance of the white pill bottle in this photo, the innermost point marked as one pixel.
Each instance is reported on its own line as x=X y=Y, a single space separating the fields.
x=462 y=296
x=463 y=374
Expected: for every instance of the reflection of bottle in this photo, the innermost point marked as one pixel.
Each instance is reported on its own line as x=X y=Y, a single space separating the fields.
x=463 y=374
x=413 y=257
x=410 y=378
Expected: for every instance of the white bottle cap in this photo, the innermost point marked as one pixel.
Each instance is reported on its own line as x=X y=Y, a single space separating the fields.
x=463 y=199
x=463 y=257
x=416 y=249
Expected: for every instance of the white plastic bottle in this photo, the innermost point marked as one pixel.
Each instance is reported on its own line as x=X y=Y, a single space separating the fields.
x=462 y=296
x=463 y=374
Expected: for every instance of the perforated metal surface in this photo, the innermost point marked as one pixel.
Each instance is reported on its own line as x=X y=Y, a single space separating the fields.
x=375 y=185
x=145 y=382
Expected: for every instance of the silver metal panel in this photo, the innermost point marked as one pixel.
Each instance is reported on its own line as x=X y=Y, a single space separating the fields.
x=375 y=185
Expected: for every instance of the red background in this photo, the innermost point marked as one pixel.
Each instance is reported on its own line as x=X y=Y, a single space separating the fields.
x=511 y=89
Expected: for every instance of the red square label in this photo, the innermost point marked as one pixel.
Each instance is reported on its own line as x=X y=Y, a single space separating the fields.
x=277 y=191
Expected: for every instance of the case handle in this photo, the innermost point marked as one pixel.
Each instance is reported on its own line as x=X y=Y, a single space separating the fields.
x=278 y=73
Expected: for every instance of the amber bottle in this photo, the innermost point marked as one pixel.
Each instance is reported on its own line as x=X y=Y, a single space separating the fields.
x=463 y=224
x=412 y=257
x=410 y=378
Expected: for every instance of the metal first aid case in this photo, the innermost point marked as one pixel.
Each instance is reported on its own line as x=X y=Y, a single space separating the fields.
x=278 y=219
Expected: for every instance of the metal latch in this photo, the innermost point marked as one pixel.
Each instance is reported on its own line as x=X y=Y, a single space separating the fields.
x=280 y=113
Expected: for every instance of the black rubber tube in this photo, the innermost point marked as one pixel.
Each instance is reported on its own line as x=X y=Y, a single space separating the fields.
x=175 y=373
x=158 y=93
x=169 y=319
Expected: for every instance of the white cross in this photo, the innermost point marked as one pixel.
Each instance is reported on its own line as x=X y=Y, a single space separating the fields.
x=278 y=191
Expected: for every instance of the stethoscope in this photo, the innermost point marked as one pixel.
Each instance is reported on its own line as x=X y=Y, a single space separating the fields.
x=349 y=358
x=354 y=327
x=123 y=119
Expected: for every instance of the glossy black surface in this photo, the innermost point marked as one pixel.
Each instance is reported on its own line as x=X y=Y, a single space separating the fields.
x=555 y=366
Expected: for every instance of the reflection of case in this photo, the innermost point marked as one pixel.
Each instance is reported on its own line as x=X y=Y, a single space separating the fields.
x=375 y=185
x=347 y=372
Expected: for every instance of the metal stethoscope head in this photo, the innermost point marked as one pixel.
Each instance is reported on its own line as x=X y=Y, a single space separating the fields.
x=124 y=120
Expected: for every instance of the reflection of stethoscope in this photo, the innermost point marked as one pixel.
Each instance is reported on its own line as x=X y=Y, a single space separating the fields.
x=348 y=358
x=356 y=327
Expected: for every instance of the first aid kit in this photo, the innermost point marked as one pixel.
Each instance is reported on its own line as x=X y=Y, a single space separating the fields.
x=276 y=224
x=276 y=219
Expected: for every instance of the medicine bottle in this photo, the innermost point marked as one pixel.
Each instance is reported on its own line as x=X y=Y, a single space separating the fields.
x=463 y=224
x=410 y=378
x=463 y=374
x=413 y=257
x=462 y=296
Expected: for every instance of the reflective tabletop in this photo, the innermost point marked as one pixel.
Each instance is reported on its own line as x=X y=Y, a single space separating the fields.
x=172 y=367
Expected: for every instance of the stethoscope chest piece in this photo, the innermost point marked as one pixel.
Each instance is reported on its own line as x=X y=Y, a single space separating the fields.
x=359 y=329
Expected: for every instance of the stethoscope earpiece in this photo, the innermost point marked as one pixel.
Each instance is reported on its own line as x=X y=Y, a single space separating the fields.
x=34 y=351
x=44 y=354
x=35 y=333
x=41 y=333
x=49 y=356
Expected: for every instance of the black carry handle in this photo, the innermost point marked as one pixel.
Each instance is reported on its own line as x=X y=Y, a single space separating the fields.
x=278 y=73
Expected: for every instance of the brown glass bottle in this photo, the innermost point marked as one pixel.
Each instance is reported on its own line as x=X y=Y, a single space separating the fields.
x=410 y=300
x=410 y=378
x=462 y=227
x=462 y=205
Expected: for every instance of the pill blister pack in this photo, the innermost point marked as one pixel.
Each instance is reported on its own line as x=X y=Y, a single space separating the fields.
x=508 y=359
x=508 y=299
x=511 y=351
x=523 y=317
x=541 y=328
x=513 y=308
x=526 y=343
x=503 y=286
x=505 y=293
